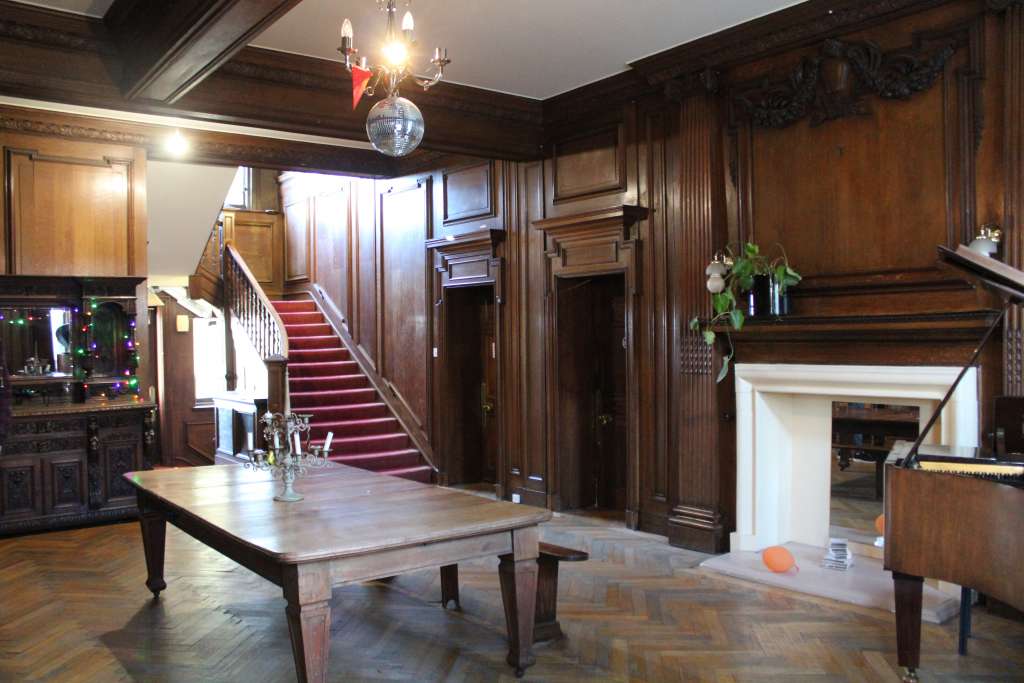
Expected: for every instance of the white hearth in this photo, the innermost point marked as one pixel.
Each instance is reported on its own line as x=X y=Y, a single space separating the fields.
x=784 y=436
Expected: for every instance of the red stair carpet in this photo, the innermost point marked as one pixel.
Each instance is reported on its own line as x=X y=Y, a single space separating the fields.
x=324 y=382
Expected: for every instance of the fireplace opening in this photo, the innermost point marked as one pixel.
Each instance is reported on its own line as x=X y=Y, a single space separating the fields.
x=862 y=436
x=473 y=405
x=592 y=394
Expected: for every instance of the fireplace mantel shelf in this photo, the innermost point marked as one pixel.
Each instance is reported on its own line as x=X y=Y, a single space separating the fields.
x=803 y=327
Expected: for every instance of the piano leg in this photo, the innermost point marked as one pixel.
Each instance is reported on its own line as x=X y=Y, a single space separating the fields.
x=966 y=595
x=908 y=591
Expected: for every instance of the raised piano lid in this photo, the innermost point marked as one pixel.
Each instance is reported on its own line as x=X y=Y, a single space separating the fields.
x=900 y=449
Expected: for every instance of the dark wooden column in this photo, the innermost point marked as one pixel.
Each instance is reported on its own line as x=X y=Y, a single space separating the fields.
x=1013 y=217
x=699 y=516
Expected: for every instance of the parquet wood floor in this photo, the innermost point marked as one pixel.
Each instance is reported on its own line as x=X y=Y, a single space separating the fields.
x=73 y=607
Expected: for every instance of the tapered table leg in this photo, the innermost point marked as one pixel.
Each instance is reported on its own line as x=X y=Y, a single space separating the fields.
x=908 y=591
x=307 y=589
x=518 y=573
x=154 y=535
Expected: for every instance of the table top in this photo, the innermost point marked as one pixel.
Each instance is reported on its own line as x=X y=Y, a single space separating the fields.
x=346 y=511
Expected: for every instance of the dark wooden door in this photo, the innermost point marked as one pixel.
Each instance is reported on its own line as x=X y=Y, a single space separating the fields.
x=488 y=415
x=592 y=393
x=610 y=420
x=470 y=406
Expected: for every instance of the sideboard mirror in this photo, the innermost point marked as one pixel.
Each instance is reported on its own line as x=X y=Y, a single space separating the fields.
x=37 y=342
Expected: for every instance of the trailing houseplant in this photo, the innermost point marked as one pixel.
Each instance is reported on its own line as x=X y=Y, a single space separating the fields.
x=745 y=282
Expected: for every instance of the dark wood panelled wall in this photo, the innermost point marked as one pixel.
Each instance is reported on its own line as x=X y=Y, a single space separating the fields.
x=858 y=142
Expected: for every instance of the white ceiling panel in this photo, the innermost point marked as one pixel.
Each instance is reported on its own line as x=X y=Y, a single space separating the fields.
x=535 y=48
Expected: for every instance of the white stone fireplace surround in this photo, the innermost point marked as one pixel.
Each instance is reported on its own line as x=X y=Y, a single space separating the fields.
x=784 y=436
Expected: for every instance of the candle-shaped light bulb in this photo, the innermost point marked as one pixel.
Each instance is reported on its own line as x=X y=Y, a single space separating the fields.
x=327 y=441
x=277 y=440
x=297 y=443
x=408 y=24
x=346 y=29
x=248 y=439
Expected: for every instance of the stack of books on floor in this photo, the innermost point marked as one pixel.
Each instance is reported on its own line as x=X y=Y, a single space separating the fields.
x=838 y=556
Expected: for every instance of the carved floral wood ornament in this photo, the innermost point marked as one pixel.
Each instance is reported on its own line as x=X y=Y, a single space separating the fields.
x=833 y=85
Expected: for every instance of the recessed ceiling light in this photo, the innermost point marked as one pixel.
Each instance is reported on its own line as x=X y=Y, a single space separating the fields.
x=177 y=145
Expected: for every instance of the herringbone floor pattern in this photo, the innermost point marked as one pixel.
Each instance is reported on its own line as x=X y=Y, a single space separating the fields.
x=73 y=608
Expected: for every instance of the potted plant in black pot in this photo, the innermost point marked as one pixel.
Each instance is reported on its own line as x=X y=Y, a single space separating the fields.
x=745 y=283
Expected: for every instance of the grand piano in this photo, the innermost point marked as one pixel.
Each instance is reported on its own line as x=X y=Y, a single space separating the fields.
x=951 y=517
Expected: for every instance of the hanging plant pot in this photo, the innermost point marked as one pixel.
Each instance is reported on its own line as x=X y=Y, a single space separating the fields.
x=759 y=298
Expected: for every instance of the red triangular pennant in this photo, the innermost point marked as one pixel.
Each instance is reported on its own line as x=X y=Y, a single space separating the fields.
x=360 y=79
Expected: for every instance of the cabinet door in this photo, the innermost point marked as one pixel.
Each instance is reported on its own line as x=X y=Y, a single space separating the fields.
x=119 y=457
x=258 y=238
x=74 y=207
x=21 y=488
x=65 y=482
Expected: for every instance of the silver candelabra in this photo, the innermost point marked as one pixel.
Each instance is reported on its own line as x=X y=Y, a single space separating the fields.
x=284 y=435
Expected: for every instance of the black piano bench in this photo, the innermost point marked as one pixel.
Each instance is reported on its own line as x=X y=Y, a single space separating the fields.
x=546 y=625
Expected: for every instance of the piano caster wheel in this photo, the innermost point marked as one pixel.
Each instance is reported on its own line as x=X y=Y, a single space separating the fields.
x=910 y=676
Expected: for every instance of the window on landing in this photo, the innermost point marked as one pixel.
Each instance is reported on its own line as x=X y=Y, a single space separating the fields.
x=240 y=192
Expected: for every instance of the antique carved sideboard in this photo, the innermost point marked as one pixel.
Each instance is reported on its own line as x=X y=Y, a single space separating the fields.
x=71 y=405
x=62 y=466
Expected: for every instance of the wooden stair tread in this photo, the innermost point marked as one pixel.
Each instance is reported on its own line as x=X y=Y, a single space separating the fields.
x=325 y=382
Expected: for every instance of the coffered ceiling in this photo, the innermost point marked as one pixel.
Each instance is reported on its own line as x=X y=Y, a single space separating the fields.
x=534 y=48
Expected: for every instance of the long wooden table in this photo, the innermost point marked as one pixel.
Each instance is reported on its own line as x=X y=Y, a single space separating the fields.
x=352 y=526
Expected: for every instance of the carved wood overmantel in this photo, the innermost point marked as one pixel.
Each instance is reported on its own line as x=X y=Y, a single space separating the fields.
x=466 y=260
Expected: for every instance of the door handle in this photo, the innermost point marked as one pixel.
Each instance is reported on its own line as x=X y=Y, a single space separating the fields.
x=604 y=419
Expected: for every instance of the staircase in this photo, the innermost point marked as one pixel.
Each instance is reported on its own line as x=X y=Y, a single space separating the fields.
x=325 y=382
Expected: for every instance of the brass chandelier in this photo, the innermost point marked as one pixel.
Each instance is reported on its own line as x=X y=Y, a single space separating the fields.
x=394 y=125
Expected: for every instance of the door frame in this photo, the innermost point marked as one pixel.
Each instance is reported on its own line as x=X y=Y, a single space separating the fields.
x=467 y=260
x=595 y=243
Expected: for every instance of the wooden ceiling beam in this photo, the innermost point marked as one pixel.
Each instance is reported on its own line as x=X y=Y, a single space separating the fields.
x=205 y=147
x=68 y=58
x=169 y=47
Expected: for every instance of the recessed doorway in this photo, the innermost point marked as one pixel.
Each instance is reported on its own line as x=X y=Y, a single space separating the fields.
x=592 y=394
x=472 y=367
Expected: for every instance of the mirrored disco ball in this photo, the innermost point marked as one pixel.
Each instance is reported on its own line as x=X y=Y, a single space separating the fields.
x=395 y=126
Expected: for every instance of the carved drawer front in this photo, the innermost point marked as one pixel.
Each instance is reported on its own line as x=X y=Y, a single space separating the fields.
x=31 y=436
x=65 y=483
x=21 y=489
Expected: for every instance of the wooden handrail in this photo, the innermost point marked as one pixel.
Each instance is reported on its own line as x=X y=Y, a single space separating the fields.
x=244 y=300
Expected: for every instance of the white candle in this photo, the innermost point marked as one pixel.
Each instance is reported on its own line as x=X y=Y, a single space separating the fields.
x=295 y=440
x=248 y=441
x=277 y=440
x=327 y=442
